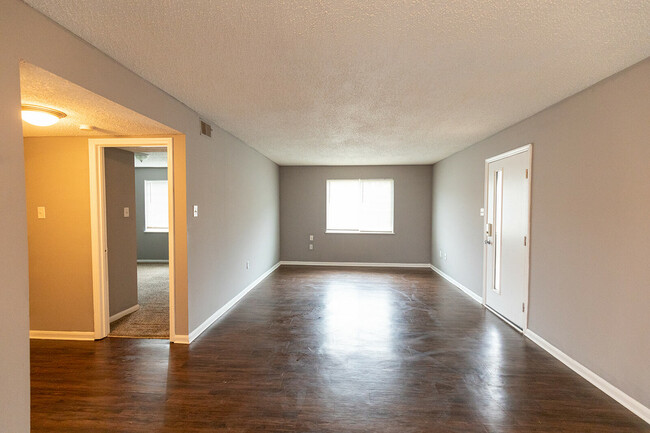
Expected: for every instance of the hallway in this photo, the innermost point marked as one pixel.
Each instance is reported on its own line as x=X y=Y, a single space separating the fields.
x=327 y=350
x=151 y=320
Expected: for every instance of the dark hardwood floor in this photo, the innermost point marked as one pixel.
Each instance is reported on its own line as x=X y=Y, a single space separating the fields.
x=325 y=350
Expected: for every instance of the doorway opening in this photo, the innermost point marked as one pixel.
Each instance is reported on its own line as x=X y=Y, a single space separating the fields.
x=63 y=294
x=507 y=235
x=138 y=248
x=152 y=316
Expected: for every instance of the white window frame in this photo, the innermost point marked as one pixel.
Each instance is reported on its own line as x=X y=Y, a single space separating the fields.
x=147 y=194
x=358 y=231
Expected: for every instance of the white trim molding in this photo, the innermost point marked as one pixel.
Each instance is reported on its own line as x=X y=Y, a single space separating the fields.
x=223 y=310
x=62 y=335
x=510 y=153
x=462 y=288
x=123 y=313
x=96 y=148
x=628 y=402
x=356 y=264
x=181 y=339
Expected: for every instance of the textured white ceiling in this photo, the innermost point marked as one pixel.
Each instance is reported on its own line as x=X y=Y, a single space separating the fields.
x=149 y=159
x=81 y=106
x=356 y=82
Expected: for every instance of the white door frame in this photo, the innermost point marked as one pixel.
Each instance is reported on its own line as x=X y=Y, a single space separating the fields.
x=528 y=147
x=96 y=148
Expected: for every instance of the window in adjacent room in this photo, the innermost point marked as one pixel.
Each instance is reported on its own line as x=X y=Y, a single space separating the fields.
x=359 y=206
x=156 y=209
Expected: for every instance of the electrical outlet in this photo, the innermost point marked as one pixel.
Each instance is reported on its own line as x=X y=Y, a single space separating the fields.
x=126 y=212
x=311 y=237
x=445 y=256
x=311 y=246
x=248 y=265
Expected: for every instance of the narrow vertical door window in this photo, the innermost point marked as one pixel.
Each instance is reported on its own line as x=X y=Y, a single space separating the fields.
x=498 y=223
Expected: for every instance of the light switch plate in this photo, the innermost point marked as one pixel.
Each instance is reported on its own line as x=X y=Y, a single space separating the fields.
x=41 y=212
x=311 y=237
x=196 y=210
x=481 y=212
x=126 y=212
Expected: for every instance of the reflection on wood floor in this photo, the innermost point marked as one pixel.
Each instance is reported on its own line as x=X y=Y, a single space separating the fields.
x=325 y=350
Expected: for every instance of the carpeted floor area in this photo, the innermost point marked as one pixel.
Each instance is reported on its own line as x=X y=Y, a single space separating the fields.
x=152 y=319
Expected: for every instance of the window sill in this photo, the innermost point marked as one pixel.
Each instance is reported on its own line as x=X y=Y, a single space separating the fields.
x=156 y=230
x=350 y=232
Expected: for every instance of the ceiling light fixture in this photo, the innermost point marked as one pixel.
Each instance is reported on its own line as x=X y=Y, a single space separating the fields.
x=41 y=116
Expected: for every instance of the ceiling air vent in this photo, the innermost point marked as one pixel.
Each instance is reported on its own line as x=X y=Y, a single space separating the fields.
x=206 y=129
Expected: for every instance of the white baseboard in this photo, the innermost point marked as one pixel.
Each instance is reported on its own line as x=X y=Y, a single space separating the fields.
x=464 y=289
x=123 y=313
x=356 y=264
x=152 y=261
x=628 y=402
x=62 y=335
x=221 y=311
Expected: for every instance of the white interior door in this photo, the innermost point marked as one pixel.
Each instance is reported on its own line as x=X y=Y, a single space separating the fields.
x=506 y=235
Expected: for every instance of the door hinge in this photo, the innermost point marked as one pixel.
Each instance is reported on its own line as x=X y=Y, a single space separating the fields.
x=526 y=173
x=523 y=307
x=525 y=241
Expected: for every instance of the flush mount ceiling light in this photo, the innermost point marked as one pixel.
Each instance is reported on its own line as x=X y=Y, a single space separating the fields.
x=41 y=116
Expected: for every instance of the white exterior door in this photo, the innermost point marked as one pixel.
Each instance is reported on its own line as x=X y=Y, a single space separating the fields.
x=506 y=234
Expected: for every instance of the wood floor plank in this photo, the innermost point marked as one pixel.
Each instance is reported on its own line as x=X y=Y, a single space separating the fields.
x=325 y=350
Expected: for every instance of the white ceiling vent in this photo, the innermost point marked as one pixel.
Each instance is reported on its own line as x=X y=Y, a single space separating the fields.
x=206 y=129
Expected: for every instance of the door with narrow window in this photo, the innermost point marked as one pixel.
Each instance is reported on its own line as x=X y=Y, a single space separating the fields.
x=506 y=234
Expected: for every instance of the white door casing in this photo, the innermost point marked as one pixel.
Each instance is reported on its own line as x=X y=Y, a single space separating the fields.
x=507 y=235
x=98 y=226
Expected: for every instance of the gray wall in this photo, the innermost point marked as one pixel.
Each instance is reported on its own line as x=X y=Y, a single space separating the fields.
x=238 y=221
x=14 y=281
x=151 y=245
x=248 y=224
x=590 y=236
x=302 y=210
x=120 y=231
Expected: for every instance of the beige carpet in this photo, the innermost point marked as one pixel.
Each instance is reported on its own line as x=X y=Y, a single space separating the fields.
x=152 y=319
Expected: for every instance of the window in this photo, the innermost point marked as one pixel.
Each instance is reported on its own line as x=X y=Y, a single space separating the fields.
x=156 y=209
x=498 y=224
x=359 y=206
